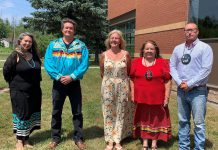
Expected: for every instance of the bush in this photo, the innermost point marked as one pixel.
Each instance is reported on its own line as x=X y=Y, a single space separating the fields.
x=43 y=41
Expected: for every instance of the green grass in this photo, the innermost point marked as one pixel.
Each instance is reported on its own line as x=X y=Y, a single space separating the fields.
x=5 y=50
x=4 y=56
x=93 y=121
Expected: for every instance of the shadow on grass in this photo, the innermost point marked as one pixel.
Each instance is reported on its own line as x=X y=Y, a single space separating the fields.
x=99 y=132
x=168 y=144
x=88 y=133
x=128 y=140
x=40 y=136
x=160 y=144
x=174 y=139
x=208 y=143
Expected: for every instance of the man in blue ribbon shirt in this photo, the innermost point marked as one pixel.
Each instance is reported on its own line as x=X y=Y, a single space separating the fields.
x=66 y=61
x=190 y=66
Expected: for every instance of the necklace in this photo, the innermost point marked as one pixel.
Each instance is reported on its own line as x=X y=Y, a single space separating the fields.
x=148 y=65
x=148 y=73
x=33 y=65
x=186 y=58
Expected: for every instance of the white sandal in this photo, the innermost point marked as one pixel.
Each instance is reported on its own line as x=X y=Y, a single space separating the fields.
x=119 y=148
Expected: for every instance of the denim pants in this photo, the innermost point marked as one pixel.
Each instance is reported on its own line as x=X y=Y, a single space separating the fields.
x=59 y=93
x=192 y=102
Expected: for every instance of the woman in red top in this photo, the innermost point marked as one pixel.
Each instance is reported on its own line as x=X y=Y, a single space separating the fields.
x=151 y=84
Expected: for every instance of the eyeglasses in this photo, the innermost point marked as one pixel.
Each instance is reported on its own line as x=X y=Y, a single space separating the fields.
x=190 y=30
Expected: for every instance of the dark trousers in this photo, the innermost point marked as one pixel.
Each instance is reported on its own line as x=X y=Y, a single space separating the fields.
x=59 y=93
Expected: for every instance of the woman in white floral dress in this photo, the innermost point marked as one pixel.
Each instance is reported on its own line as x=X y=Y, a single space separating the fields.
x=117 y=108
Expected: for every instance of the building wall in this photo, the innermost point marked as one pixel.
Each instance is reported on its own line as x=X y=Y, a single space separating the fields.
x=159 y=20
x=119 y=7
x=166 y=41
x=213 y=79
x=153 y=13
x=163 y=21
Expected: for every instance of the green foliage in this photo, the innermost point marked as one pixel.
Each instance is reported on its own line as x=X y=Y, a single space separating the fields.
x=4 y=30
x=42 y=41
x=208 y=27
x=89 y=14
x=41 y=38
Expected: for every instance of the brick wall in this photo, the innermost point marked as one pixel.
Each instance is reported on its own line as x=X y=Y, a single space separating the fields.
x=166 y=40
x=151 y=13
x=154 y=14
x=119 y=7
x=157 y=13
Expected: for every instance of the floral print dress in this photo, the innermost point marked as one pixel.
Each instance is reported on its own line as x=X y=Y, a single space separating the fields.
x=117 y=109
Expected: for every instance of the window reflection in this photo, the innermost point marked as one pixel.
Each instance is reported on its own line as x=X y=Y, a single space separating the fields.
x=128 y=29
x=204 y=13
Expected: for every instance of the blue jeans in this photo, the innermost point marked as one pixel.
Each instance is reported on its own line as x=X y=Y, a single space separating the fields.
x=192 y=102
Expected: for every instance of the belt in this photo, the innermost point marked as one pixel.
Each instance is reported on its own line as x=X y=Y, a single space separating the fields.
x=197 y=87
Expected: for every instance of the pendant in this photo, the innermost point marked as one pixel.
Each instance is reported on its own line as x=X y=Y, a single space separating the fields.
x=186 y=58
x=148 y=74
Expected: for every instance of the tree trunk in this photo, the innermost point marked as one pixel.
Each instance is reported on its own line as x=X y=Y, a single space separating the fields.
x=96 y=56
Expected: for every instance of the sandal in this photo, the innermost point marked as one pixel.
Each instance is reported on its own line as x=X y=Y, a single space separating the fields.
x=145 y=148
x=119 y=148
x=109 y=147
x=154 y=148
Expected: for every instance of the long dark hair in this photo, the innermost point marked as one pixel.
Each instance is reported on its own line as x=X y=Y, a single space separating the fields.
x=157 y=55
x=34 y=48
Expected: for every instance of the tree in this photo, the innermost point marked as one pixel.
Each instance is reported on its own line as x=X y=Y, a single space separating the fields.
x=89 y=14
x=4 y=29
x=208 y=27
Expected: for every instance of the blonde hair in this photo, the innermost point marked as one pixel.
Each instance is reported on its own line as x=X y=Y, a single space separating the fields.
x=122 y=41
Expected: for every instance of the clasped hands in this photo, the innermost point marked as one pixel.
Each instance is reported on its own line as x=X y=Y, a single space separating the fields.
x=184 y=85
x=66 y=79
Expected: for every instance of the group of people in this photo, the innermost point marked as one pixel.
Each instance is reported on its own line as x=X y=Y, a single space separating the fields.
x=140 y=88
x=135 y=94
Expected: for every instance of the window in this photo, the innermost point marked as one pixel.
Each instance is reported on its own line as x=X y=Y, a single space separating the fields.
x=204 y=13
x=128 y=29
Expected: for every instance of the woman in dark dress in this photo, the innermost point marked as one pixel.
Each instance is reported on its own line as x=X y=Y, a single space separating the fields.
x=22 y=70
x=151 y=84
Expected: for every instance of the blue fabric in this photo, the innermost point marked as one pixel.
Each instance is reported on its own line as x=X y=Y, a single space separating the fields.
x=60 y=61
x=197 y=71
x=194 y=102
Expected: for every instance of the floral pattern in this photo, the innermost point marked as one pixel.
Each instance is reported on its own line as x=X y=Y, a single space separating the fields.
x=117 y=109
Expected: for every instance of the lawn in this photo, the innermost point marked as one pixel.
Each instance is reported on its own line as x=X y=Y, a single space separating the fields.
x=93 y=122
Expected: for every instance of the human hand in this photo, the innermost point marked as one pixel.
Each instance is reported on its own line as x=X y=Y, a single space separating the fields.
x=184 y=85
x=132 y=96
x=166 y=101
x=66 y=79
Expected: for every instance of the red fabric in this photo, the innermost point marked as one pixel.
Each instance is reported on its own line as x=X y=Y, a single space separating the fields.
x=152 y=122
x=150 y=91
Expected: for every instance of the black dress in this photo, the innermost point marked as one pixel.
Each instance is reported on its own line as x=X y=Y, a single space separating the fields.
x=24 y=81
